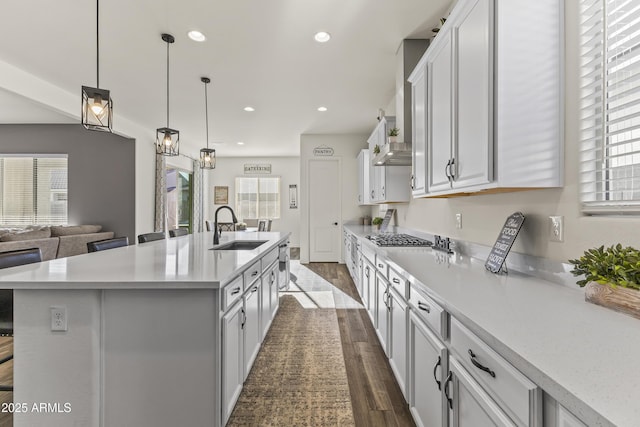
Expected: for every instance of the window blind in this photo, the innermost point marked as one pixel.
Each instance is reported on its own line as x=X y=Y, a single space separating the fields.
x=610 y=106
x=258 y=197
x=33 y=190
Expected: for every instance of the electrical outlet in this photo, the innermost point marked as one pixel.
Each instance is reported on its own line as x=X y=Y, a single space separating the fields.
x=556 y=228
x=59 y=319
x=458 y=221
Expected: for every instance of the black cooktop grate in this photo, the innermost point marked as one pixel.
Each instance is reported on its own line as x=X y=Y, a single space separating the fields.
x=392 y=239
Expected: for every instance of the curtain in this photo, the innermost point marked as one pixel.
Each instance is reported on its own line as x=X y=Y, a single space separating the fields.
x=161 y=193
x=198 y=206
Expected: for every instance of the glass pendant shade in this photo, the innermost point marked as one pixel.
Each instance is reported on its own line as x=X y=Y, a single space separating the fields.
x=97 y=109
x=167 y=141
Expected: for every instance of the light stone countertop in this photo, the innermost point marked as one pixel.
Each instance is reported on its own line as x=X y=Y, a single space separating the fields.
x=585 y=356
x=173 y=263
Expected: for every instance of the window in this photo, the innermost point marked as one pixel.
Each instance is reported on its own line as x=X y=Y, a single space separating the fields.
x=33 y=190
x=610 y=106
x=258 y=197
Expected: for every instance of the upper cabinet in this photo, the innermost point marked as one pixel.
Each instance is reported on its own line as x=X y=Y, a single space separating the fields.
x=364 y=195
x=387 y=184
x=487 y=105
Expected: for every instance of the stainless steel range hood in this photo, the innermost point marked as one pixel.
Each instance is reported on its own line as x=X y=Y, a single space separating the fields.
x=393 y=154
x=407 y=56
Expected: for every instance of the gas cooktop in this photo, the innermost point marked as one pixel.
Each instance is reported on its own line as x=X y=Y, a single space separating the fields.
x=393 y=239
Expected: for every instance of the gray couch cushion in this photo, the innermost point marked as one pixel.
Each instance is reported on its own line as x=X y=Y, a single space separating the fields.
x=27 y=235
x=48 y=247
x=72 y=230
x=77 y=243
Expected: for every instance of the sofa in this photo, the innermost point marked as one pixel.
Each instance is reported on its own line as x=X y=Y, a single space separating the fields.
x=54 y=241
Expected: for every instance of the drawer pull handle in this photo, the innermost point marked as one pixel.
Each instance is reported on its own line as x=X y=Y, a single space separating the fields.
x=435 y=369
x=273 y=277
x=425 y=307
x=479 y=366
x=380 y=265
x=244 y=318
x=255 y=289
x=396 y=280
x=446 y=389
x=235 y=291
x=254 y=274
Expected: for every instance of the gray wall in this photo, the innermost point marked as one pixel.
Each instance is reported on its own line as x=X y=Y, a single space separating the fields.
x=101 y=166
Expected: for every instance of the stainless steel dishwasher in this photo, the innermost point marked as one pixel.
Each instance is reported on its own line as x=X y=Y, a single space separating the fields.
x=284 y=255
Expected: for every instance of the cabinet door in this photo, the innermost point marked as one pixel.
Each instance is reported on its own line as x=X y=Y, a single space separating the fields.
x=251 y=326
x=439 y=95
x=427 y=371
x=265 y=312
x=232 y=366
x=364 y=192
x=398 y=317
x=419 y=133
x=382 y=311
x=274 y=292
x=366 y=282
x=567 y=419
x=471 y=406
x=473 y=150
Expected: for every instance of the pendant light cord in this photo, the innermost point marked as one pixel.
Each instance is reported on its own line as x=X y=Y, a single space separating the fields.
x=98 y=44
x=168 y=84
x=206 y=112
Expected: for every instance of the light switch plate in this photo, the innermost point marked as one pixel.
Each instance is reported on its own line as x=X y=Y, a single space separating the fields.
x=556 y=228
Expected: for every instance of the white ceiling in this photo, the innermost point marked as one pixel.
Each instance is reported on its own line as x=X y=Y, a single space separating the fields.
x=258 y=52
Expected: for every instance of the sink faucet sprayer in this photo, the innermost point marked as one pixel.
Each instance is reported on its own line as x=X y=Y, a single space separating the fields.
x=216 y=236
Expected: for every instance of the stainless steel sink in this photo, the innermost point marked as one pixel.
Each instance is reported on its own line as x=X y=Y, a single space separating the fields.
x=240 y=245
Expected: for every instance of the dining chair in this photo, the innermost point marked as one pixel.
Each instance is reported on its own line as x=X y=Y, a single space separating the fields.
x=269 y=224
x=150 y=237
x=102 y=245
x=12 y=259
x=262 y=225
x=251 y=222
x=209 y=225
x=178 y=232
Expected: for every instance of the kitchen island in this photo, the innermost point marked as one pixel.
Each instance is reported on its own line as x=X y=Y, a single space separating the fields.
x=157 y=334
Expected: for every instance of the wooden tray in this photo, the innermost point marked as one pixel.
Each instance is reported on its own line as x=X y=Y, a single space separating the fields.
x=620 y=299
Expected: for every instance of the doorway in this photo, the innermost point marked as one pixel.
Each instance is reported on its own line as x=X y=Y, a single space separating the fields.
x=179 y=199
x=325 y=210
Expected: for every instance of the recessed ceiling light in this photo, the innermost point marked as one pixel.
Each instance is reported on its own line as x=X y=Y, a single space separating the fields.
x=196 y=36
x=249 y=109
x=323 y=109
x=240 y=143
x=322 y=37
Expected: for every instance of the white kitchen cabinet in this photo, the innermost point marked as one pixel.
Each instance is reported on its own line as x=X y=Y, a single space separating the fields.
x=419 y=131
x=398 y=318
x=364 y=164
x=382 y=311
x=368 y=283
x=274 y=293
x=268 y=297
x=251 y=326
x=232 y=358
x=567 y=419
x=485 y=129
x=428 y=367
x=469 y=404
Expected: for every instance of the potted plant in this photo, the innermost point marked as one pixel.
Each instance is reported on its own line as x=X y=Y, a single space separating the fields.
x=241 y=226
x=611 y=276
x=377 y=221
x=393 y=135
x=376 y=149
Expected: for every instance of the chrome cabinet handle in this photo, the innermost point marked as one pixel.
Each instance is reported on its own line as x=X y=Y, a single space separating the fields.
x=479 y=366
x=446 y=170
x=244 y=318
x=235 y=291
x=395 y=280
x=273 y=277
x=435 y=369
x=446 y=389
x=254 y=274
x=424 y=307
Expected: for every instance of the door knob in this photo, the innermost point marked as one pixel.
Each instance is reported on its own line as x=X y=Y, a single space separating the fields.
x=335 y=223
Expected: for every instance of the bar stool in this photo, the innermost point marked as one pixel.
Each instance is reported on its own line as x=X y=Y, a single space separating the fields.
x=178 y=232
x=101 y=245
x=150 y=237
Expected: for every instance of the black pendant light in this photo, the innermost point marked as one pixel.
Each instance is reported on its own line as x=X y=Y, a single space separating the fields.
x=167 y=139
x=207 y=155
x=97 y=105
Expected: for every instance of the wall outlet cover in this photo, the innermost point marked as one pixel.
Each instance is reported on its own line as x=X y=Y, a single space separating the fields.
x=59 y=319
x=556 y=228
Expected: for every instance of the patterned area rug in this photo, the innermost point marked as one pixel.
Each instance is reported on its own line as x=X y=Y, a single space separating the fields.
x=299 y=377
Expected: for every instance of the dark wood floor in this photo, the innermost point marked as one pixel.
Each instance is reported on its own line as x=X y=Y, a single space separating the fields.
x=375 y=394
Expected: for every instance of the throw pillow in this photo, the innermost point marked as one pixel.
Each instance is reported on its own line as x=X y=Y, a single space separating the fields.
x=26 y=235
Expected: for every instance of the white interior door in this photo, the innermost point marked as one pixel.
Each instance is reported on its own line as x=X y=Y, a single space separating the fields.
x=324 y=210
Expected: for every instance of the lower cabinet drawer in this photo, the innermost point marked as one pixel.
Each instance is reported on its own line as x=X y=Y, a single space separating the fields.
x=269 y=258
x=231 y=293
x=432 y=314
x=252 y=274
x=520 y=398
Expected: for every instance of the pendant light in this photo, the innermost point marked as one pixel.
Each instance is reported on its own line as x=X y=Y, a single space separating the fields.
x=207 y=155
x=167 y=139
x=97 y=105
